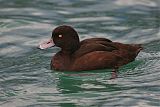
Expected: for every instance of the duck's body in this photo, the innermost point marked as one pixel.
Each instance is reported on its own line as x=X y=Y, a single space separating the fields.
x=95 y=53
x=89 y=54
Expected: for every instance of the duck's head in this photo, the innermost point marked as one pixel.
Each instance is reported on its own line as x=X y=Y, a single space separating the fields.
x=64 y=37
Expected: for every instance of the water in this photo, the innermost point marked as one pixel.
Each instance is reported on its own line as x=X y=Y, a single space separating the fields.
x=25 y=76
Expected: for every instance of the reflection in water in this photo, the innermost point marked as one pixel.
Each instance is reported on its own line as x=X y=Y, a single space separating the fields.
x=26 y=79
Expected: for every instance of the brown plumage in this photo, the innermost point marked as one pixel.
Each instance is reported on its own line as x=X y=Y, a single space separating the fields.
x=89 y=54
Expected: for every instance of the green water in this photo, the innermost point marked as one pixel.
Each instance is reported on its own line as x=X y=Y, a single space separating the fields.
x=25 y=76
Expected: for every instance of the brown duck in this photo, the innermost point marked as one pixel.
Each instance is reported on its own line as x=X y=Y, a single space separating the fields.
x=89 y=54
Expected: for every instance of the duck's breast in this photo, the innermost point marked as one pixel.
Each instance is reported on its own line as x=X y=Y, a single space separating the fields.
x=60 y=62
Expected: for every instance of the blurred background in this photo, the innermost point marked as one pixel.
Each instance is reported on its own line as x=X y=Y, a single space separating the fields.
x=25 y=76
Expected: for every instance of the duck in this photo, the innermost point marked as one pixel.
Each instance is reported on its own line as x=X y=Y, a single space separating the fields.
x=89 y=54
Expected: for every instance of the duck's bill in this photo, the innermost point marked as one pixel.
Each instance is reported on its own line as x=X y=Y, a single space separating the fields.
x=46 y=44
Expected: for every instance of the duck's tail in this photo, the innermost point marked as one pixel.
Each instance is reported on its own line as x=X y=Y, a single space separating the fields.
x=138 y=48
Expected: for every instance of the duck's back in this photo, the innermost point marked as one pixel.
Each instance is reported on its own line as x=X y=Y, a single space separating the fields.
x=100 y=53
x=94 y=44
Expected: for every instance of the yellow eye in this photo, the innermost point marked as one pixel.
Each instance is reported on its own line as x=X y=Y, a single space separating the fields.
x=60 y=36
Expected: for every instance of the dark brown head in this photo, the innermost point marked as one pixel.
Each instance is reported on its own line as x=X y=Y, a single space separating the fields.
x=64 y=37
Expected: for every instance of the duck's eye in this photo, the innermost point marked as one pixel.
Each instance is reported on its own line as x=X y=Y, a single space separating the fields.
x=60 y=36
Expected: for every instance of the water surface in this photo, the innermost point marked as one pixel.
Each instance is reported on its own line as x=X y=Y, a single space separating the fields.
x=25 y=76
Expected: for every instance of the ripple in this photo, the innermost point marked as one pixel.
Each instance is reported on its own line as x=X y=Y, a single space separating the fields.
x=119 y=28
x=135 y=2
x=88 y=19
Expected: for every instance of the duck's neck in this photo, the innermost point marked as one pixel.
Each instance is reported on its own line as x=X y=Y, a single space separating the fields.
x=69 y=51
x=66 y=59
x=66 y=52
